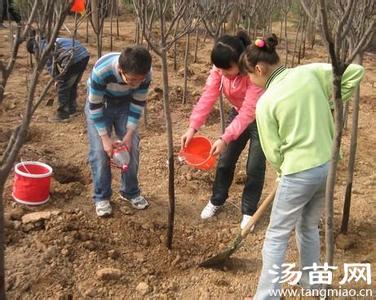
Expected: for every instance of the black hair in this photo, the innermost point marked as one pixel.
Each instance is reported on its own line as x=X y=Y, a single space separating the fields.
x=135 y=60
x=227 y=49
x=30 y=45
x=260 y=53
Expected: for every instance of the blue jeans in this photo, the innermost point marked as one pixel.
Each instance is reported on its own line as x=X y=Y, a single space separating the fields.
x=116 y=117
x=298 y=204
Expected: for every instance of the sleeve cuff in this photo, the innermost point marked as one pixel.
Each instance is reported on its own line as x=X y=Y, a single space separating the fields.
x=102 y=131
x=132 y=125
x=226 y=138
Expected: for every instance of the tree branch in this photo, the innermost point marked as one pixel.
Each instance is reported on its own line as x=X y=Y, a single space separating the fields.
x=363 y=43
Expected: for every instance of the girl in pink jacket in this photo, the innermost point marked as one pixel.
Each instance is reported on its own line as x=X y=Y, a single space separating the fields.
x=241 y=126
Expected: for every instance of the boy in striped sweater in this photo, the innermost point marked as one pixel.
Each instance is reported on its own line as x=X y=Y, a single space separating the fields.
x=117 y=91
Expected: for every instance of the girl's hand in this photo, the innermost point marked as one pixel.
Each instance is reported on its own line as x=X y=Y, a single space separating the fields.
x=218 y=147
x=186 y=137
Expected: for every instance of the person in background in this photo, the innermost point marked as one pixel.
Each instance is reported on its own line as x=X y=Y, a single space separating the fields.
x=296 y=132
x=241 y=126
x=8 y=11
x=66 y=64
x=117 y=91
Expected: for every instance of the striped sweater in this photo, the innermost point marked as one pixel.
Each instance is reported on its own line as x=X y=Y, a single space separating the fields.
x=105 y=84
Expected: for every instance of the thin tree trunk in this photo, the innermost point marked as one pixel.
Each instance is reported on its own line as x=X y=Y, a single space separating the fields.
x=255 y=29
x=286 y=41
x=205 y=36
x=171 y=186
x=186 y=56
x=99 y=45
x=87 y=30
x=111 y=18
x=346 y=114
x=170 y=144
x=331 y=180
x=2 y=241
x=249 y=26
x=353 y=147
x=296 y=42
x=302 y=41
x=175 y=49
x=136 y=33
x=196 y=45
x=117 y=18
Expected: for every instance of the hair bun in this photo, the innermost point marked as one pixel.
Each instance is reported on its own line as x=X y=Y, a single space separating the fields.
x=244 y=37
x=271 y=41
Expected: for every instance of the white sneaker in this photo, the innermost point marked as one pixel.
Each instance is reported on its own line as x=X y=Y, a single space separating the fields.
x=138 y=202
x=103 y=208
x=244 y=222
x=209 y=210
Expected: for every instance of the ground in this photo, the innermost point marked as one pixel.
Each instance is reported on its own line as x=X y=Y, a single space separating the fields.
x=59 y=257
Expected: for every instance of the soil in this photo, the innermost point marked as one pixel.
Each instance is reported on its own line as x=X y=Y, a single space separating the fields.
x=73 y=254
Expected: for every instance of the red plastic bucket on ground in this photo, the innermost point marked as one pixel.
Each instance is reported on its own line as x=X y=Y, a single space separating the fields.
x=32 y=183
x=197 y=153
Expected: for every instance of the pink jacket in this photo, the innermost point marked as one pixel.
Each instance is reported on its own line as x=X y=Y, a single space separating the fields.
x=241 y=93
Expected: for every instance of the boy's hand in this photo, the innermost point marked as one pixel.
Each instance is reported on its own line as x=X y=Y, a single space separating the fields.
x=107 y=144
x=187 y=136
x=127 y=139
x=218 y=147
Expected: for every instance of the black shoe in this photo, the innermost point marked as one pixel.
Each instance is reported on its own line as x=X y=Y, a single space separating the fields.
x=74 y=113
x=60 y=118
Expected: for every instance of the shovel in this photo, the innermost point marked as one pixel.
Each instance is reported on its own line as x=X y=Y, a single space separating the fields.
x=219 y=259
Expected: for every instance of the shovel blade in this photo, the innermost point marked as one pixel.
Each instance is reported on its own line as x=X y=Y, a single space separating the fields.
x=220 y=259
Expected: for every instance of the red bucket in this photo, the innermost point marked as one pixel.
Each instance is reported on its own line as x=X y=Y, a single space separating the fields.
x=32 y=183
x=197 y=153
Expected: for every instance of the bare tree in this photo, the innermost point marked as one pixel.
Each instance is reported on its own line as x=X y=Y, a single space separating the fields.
x=99 y=11
x=50 y=15
x=363 y=18
x=336 y=22
x=214 y=15
x=160 y=45
x=313 y=13
x=112 y=4
x=6 y=66
x=300 y=31
x=186 y=58
x=285 y=8
x=249 y=8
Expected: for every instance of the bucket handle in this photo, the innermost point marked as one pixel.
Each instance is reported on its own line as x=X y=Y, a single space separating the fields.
x=23 y=164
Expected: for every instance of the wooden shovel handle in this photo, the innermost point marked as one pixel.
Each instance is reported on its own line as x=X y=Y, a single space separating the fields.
x=259 y=212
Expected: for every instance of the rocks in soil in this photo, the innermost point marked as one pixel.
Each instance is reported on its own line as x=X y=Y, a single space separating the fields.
x=51 y=252
x=139 y=257
x=108 y=274
x=7 y=221
x=39 y=216
x=345 y=242
x=143 y=288
x=113 y=254
x=87 y=289
x=196 y=93
x=176 y=260
x=127 y=210
x=16 y=214
x=90 y=245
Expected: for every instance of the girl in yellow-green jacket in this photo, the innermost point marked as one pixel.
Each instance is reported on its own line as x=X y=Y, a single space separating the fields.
x=296 y=130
